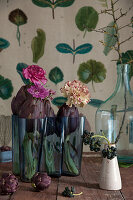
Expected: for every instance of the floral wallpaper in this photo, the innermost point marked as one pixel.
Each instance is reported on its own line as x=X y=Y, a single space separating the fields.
x=58 y=36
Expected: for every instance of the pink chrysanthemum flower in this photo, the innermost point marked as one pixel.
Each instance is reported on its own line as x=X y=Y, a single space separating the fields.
x=76 y=92
x=35 y=74
x=38 y=91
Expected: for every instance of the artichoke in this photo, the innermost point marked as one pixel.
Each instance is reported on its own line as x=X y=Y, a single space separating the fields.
x=8 y=183
x=26 y=106
x=72 y=114
x=41 y=181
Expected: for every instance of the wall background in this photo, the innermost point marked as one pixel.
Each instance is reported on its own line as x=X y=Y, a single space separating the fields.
x=62 y=29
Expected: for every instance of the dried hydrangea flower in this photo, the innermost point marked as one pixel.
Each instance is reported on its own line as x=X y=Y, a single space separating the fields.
x=76 y=92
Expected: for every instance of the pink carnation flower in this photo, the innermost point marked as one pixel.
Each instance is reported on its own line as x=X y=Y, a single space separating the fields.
x=38 y=91
x=35 y=74
x=76 y=92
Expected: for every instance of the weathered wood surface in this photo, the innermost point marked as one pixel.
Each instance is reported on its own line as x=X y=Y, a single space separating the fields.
x=87 y=183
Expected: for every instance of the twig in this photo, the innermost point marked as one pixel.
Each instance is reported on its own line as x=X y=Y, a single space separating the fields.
x=116 y=29
x=114 y=60
x=116 y=2
x=127 y=25
x=126 y=39
x=124 y=14
x=116 y=10
x=111 y=47
x=123 y=119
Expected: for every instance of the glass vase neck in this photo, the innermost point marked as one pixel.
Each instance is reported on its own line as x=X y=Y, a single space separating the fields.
x=123 y=82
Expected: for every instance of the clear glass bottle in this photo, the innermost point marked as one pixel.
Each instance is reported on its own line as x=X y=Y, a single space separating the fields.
x=115 y=116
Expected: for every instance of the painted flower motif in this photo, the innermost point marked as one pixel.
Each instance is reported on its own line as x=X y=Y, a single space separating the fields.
x=38 y=91
x=76 y=92
x=35 y=74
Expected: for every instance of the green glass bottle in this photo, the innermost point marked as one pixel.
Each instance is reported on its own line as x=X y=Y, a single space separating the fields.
x=115 y=116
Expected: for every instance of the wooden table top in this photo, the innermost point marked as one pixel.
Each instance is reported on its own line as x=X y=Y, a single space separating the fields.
x=87 y=183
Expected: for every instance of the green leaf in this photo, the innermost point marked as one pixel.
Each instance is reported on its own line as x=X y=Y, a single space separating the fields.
x=86 y=19
x=63 y=3
x=18 y=17
x=30 y=161
x=56 y=75
x=49 y=156
x=127 y=57
x=125 y=165
x=4 y=43
x=64 y=48
x=91 y=71
x=19 y=68
x=95 y=103
x=84 y=48
x=37 y=45
x=52 y=4
x=42 y=3
x=109 y=38
x=59 y=101
x=69 y=162
x=6 y=88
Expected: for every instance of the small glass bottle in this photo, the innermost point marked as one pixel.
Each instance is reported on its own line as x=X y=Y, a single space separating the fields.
x=115 y=116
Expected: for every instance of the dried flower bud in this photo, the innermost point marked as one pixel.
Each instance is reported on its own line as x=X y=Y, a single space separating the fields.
x=41 y=181
x=8 y=183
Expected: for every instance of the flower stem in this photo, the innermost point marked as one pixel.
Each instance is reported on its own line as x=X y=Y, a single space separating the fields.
x=102 y=137
x=78 y=194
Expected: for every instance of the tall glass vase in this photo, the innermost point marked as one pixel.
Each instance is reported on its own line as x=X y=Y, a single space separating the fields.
x=115 y=116
x=36 y=147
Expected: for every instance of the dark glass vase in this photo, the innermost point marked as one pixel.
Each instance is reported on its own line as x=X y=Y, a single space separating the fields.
x=38 y=147
x=72 y=132
x=115 y=116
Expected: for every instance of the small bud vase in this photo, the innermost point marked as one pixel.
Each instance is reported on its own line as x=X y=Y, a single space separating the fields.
x=110 y=178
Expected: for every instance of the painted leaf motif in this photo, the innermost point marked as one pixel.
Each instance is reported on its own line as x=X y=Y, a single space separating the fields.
x=19 y=68
x=52 y=4
x=6 y=88
x=64 y=48
x=18 y=17
x=56 y=75
x=84 y=48
x=37 y=45
x=3 y=44
x=109 y=38
x=127 y=57
x=63 y=3
x=86 y=19
x=95 y=103
x=59 y=101
x=43 y=3
x=91 y=71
